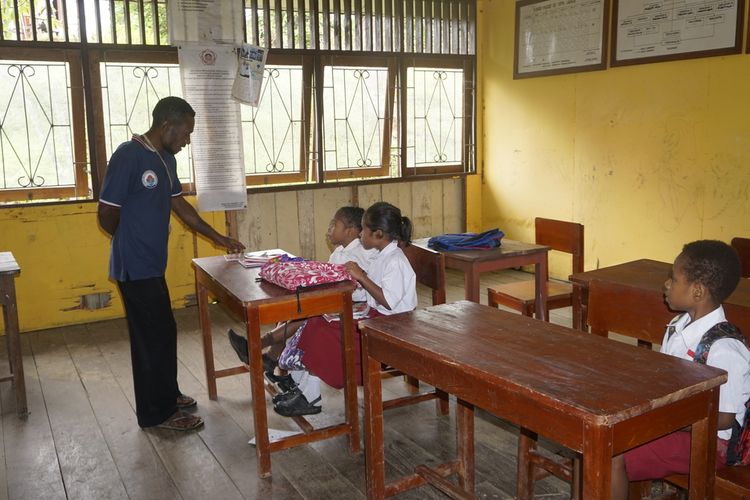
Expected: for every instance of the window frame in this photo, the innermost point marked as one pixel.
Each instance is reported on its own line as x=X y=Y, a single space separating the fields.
x=77 y=125
x=468 y=125
x=350 y=173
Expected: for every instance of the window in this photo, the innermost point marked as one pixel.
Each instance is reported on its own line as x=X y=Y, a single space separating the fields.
x=357 y=118
x=42 y=151
x=352 y=91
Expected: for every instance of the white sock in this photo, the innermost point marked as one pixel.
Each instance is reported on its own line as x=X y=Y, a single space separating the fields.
x=308 y=383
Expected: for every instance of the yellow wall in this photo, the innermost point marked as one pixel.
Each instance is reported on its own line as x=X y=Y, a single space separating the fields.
x=647 y=157
x=63 y=255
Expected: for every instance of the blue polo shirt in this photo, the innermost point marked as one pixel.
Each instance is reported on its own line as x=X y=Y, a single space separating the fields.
x=137 y=181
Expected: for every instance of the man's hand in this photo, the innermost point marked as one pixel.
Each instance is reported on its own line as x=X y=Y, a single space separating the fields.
x=230 y=244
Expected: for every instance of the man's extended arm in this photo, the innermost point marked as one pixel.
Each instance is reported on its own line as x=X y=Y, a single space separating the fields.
x=190 y=217
x=109 y=217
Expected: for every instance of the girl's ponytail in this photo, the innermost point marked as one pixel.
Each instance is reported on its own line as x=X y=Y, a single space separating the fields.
x=406 y=229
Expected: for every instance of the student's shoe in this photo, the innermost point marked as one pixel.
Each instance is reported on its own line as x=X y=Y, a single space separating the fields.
x=298 y=405
x=284 y=383
x=283 y=396
x=239 y=344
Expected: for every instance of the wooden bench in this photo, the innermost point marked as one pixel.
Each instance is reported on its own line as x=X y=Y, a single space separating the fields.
x=641 y=314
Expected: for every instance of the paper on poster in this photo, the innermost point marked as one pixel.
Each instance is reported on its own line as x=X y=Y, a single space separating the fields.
x=249 y=79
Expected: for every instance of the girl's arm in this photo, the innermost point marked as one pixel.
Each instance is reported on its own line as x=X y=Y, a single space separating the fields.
x=370 y=287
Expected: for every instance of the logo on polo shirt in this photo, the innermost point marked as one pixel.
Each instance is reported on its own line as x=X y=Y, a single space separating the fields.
x=149 y=179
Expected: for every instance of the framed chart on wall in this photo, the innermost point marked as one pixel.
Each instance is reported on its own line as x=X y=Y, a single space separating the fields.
x=560 y=36
x=666 y=30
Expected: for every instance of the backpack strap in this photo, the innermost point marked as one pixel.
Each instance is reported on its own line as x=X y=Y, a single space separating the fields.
x=723 y=330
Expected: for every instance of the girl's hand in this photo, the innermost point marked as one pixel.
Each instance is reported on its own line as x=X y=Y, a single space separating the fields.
x=356 y=271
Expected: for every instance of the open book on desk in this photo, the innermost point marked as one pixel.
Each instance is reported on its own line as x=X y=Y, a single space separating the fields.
x=359 y=310
x=256 y=259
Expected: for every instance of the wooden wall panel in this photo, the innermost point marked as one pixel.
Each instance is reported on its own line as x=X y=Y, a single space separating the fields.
x=453 y=206
x=370 y=193
x=305 y=209
x=257 y=223
x=297 y=221
x=288 y=223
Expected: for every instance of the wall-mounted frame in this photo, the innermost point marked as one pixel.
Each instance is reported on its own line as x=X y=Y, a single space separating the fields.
x=560 y=36
x=666 y=30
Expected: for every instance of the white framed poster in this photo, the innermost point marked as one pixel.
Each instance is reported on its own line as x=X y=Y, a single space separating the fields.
x=663 y=30
x=560 y=36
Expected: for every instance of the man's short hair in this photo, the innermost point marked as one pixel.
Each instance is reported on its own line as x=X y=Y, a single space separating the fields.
x=715 y=265
x=171 y=109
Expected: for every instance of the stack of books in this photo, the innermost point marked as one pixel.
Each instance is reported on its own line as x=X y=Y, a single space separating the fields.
x=255 y=259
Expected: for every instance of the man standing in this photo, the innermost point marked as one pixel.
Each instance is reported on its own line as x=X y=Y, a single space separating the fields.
x=139 y=192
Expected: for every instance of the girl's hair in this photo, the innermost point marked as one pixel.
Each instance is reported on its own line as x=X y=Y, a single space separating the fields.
x=387 y=218
x=351 y=216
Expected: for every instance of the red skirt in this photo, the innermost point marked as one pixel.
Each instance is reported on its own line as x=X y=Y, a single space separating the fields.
x=322 y=346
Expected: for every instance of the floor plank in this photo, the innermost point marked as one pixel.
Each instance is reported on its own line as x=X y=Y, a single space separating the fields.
x=29 y=446
x=87 y=466
x=140 y=468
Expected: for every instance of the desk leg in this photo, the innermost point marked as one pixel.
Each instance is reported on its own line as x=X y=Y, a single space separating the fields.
x=597 y=461
x=208 y=346
x=540 y=287
x=258 y=392
x=525 y=473
x=465 y=444
x=471 y=284
x=10 y=315
x=580 y=299
x=350 y=376
x=374 y=454
x=703 y=453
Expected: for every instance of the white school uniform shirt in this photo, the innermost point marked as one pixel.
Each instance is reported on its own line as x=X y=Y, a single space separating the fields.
x=730 y=355
x=392 y=272
x=354 y=252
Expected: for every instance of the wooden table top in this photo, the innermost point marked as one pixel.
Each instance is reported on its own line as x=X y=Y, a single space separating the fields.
x=650 y=275
x=508 y=248
x=594 y=379
x=245 y=284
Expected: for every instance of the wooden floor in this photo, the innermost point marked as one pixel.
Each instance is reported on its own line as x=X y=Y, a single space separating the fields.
x=81 y=440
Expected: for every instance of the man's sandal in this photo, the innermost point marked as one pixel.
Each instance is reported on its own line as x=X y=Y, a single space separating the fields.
x=181 y=421
x=184 y=401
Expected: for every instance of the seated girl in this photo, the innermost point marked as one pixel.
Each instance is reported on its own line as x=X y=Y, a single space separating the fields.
x=315 y=351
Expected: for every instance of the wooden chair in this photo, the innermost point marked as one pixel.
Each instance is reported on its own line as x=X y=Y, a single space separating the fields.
x=742 y=245
x=429 y=266
x=559 y=235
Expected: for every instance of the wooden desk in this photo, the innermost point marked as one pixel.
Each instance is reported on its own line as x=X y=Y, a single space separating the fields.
x=510 y=254
x=258 y=302
x=593 y=395
x=9 y=269
x=649 y=276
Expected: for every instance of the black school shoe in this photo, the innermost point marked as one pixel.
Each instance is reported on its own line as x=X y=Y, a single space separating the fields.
x=283 y=396
x=297 y=406
x=239 y=344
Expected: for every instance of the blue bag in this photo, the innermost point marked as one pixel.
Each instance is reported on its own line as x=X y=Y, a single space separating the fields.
x=467 y=241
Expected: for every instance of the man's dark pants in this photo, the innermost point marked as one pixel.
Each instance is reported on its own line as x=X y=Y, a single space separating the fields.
x=153 y=348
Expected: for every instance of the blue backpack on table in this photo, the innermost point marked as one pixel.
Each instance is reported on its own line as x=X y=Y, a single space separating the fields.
x=467 y=241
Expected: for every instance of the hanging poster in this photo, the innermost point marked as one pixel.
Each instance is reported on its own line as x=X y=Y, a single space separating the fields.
x=205 y=21
x=662 y=30
x=560 y=36
x=208 y=72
